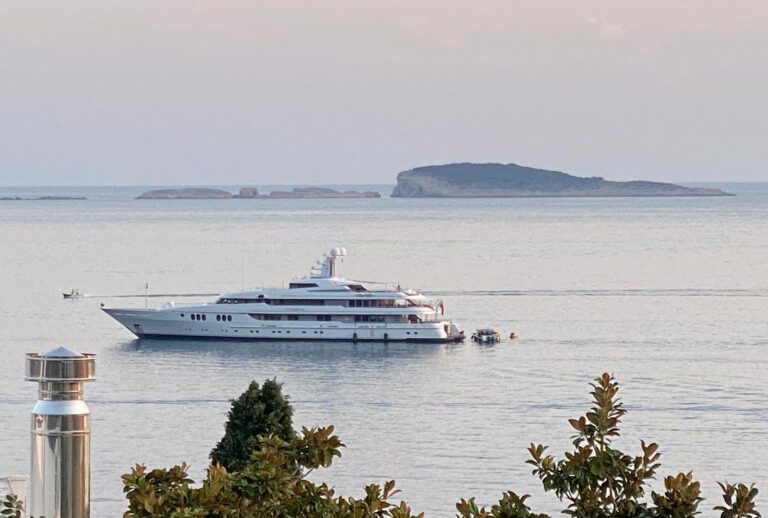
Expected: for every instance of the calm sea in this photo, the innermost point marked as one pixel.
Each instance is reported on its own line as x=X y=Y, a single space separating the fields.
x=671 y=295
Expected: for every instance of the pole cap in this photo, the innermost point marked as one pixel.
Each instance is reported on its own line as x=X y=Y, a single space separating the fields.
x=60 y=365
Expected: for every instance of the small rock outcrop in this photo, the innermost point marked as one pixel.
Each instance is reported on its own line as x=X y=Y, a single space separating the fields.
x=248 y=192
x=515 y=181
x=190 y=193
x=321 y=192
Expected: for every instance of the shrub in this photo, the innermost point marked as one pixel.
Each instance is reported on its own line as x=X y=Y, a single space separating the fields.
x=259 y=411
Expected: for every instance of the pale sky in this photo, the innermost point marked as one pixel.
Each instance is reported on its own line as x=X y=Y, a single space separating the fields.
x=330 y=91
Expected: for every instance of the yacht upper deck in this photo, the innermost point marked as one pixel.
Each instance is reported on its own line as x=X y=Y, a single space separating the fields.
x=323 y=287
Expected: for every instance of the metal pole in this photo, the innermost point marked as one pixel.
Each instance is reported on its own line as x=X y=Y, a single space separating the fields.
x=61 y=434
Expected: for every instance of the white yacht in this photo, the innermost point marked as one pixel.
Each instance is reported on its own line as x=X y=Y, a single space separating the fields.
x=320 y=306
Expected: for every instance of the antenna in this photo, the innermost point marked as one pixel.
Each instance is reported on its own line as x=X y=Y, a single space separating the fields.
x=146 y=296
x=242 y=280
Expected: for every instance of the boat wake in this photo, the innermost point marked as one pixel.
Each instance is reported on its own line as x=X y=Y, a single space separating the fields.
x=684 y=292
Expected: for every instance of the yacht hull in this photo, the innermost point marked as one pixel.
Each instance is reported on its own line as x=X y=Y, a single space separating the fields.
x=176 y=323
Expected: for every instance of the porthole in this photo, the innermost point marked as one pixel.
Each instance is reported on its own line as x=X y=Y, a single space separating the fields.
x=218 y=317
x=203 y=317
x=182 y=315
x=229 y=318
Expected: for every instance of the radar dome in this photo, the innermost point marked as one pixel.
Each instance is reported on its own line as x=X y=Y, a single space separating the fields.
x=335 y=252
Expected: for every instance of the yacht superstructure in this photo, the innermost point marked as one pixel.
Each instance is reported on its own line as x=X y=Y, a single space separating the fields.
x=320 y=306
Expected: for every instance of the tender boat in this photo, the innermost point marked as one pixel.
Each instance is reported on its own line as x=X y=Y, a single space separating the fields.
x=320 y=306
x=486 y=336
x=74 y=294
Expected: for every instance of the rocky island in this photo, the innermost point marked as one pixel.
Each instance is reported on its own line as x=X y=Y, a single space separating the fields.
x=196 y=193
x=188 y=193
x=469 y=180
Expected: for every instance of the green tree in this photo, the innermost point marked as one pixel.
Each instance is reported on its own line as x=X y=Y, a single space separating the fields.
x=259 y=411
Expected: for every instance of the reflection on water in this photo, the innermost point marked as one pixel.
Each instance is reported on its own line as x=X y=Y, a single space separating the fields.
x=315 y=351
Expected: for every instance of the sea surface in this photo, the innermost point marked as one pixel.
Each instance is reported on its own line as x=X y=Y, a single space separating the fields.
x=669 y=294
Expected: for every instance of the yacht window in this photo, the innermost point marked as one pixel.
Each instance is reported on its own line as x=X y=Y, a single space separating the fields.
x=356 y=287
x=229 y=318
x=218 y=317
x=240 y=301
x=295 y=285
x=203 y=317
x=370 y=318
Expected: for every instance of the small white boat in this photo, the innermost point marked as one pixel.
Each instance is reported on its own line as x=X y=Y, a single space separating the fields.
x=74 y=294
x=486 y=336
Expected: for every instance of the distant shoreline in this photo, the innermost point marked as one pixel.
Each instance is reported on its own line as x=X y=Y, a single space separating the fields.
x=101 y=193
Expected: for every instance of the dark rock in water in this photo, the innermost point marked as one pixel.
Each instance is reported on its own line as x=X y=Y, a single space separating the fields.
x=41 y=198
x=248 y=192
x=321 y=192
x=58 y=198
x=193 y=193
x=515 y=181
